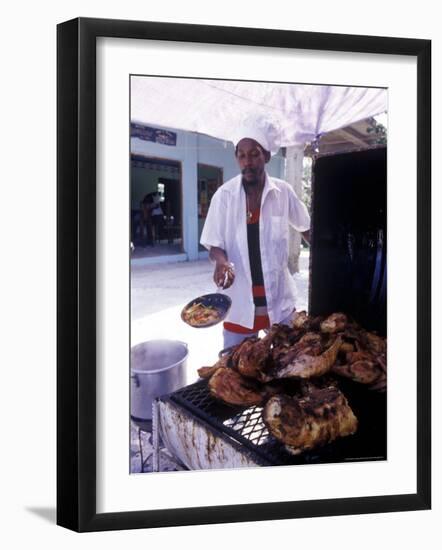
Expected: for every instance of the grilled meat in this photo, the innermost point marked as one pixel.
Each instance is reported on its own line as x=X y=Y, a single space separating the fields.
x=311 y=421
x=363 y=367
x=237 y=350
x=372 y=342
x=306 y=387
x=336 y=322
x=294 y=371
x=364 y=372
x=207 y=372
x=308 y=363
x=253 y=357
x=224 y=361
x=300 y=320
x=284 y=336
x=232 y=388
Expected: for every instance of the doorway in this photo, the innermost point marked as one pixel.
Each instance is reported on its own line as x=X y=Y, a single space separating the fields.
x=156 y=206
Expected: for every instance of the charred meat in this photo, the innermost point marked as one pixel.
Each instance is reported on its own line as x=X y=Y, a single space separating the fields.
x=230 y=387
x=223 y=362
x=308 y=363
x=311 y=421
x=336 y=322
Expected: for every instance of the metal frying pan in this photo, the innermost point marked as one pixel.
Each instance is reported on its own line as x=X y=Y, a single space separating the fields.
x=217 y=306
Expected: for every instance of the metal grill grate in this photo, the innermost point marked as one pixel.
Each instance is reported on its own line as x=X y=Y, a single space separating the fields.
x=249 y=424
x=245 y=427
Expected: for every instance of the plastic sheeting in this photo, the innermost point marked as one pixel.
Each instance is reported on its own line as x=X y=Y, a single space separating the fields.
x=299 y=113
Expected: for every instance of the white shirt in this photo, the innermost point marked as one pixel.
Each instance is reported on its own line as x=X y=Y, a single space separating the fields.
x=226 y=227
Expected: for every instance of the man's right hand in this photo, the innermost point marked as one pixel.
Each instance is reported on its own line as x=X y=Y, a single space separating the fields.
x=224 y=274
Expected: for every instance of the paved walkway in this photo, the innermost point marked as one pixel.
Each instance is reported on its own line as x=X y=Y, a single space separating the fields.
x=158 y=294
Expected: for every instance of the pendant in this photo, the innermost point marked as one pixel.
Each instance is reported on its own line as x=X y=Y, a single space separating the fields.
x=249 y=215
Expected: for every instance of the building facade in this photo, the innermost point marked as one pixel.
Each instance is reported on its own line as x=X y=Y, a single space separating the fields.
x=181 y=171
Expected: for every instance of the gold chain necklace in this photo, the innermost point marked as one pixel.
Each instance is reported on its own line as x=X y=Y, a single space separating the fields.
x=249 y=213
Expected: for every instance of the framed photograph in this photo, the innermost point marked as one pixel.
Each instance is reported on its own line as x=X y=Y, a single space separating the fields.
x=225 y=201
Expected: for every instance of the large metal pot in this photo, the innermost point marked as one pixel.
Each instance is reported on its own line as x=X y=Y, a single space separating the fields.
x=158 y=367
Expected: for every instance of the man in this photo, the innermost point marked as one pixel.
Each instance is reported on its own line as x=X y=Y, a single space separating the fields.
x=157 y=217
x=146 y=226
x=246 y=232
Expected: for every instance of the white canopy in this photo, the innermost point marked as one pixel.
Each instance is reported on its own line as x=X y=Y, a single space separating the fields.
x=300 y=112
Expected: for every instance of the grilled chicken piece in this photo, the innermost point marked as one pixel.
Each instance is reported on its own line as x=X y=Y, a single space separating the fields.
x=308 y=422
x=232 y=388
x=363 y=372
x=207 y=372
x=336 y=322
x=253 y=357
x=237 y=350
x=308 y=363
x=300 y=319
x=346 y=347
x=284 y=336
x=310 y=343
x=363 y=367
x=311 y=385
x=373 y=342
x=380 y=385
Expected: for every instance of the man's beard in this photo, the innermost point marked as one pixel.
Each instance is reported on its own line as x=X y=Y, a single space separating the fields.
x=250 y=182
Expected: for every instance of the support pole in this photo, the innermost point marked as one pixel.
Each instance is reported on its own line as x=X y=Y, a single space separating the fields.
x=293 y=175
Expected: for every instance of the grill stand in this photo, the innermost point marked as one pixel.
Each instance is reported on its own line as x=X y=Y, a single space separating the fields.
x=202 y=433
x=155 y=438
x=192 y=442
x=159 y=447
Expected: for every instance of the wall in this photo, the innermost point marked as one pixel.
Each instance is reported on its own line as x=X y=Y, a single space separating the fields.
x=192 y=148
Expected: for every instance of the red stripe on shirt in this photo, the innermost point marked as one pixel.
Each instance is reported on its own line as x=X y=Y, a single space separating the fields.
x=261 y=322
x=258 y=291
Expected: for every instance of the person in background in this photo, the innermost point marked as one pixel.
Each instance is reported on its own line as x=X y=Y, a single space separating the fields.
x=146 y=223
x=157 y=217
x=247 y=231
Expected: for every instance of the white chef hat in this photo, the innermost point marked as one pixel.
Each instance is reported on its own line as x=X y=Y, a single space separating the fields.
x=260 y=129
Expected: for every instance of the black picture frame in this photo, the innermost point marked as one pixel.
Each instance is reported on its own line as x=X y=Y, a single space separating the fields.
x=76 y=273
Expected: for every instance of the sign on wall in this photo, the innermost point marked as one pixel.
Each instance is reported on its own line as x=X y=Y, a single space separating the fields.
x=156 y=135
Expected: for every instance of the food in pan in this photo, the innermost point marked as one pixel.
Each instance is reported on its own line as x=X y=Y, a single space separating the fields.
x=311 y=421
x=232 y=388
x=206 y=310
x=200 y=315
